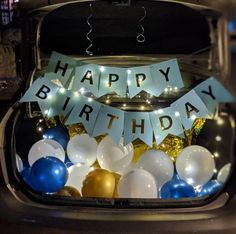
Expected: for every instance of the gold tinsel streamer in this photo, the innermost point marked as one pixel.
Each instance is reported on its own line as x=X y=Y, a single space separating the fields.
x=76 y=129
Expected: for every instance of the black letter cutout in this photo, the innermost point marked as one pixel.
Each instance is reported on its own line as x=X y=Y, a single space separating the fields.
x=165 y=73
x=43 y=90
x=192 y=108
x=58 y=66
x=86 y=110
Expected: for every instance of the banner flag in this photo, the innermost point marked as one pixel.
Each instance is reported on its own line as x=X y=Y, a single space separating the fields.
x=110 y=120
x=212 y=92
x=166 y=74
x=60 y=68
x=85 y=112
x=137 y=125
x=139 y=79
x=190 y=106
x=87 y=76
x=165 y=121
x=113 y=79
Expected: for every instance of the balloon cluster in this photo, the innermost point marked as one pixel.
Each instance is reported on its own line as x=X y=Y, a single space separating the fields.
x=79 y=166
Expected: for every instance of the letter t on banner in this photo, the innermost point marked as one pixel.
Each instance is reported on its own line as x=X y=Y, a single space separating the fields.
x=138 y=125
x=190 y=106
x=60 y=68
x=110 y=120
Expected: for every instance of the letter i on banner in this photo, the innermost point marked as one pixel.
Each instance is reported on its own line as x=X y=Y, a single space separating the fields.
x=63 y=103
x=87 y=77
x=165 y=121
x=138 y=125
x=113 y=80
x=190 y=106
x=166 y=74
x=110 y=120
x=85 y=112
x=60 y=68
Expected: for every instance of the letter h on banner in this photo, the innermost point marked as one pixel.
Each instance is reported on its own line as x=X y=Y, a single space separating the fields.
x=60 y=68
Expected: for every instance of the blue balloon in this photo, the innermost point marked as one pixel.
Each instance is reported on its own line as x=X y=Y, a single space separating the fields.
x=68 y=162
x=176 y=188
x=58 y=134
x=209 y=188
x=48 y=174
x=25 y=174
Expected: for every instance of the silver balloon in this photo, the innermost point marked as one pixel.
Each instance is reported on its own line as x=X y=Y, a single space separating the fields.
x=82 y=149
x=224 y=173
x=114 y=157
x=158 y=164
x=137 y=183
x=195 y=164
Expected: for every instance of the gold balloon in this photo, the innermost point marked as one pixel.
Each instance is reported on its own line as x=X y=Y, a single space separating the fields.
x=76 y=129
x=139 y=149
x=99 y=183
x=68 y=191
x=171 y=145
x=117 y=178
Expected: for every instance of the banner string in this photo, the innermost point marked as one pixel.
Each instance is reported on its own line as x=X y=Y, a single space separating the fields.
x=141 y=37
x=90 y=53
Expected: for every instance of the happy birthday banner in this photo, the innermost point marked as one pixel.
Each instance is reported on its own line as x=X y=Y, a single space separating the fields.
x=98 y=118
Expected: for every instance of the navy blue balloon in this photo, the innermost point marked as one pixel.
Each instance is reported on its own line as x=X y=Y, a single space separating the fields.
x=25 y=174
x=58 y=134
x=176 y=188
x=211 y=187
x=48 y=174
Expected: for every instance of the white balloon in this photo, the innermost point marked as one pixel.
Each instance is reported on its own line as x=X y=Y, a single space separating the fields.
x=19 y=163
x=195 y=165
x=82 y=149
x=224 y=173
x=159 y=164
x=131 y=167
x=137 y=183
x=114 y=157
x=77 y=174
x=44 y=148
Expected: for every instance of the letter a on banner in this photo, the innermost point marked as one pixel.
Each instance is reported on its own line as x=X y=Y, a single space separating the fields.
x=138 y=125
x=87 y=76
x=60 y=68
x=190 y=106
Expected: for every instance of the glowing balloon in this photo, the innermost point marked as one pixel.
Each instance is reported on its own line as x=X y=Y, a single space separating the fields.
x=68 y=191
x=77 y=174
x=137 y=183
x=176 y=188
x=158 y=164
x=99 y=183
x=45 y=147
x=211 y=187
x=48 y=174
x=114 y=157
x=195 y=165
x=82 y=149
x=224 y=173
